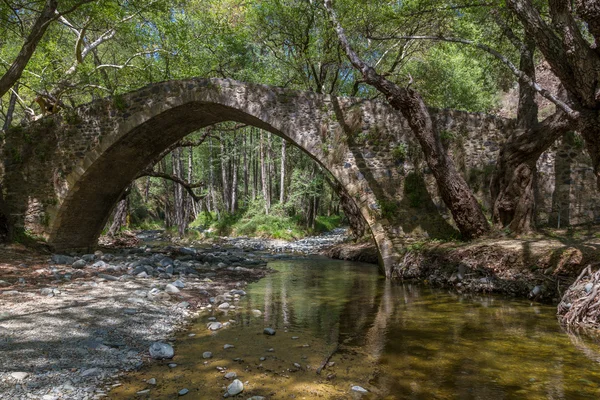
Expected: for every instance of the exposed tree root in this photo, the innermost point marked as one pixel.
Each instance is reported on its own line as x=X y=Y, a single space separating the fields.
x=580 y=305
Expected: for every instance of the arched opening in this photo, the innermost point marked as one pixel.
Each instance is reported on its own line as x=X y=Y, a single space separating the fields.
x=87 y=206
x=234 y=179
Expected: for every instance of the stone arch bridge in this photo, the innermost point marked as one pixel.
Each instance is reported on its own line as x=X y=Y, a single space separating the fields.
x=63 y=174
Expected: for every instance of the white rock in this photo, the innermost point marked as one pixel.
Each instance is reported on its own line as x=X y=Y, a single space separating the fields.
x=224 y=306
x=230 y=375
x=214 y=326
x=19 y=375
x=359 y=389
x=171 y=289
x=236 y=387
x=160 y=350
x=91 y=372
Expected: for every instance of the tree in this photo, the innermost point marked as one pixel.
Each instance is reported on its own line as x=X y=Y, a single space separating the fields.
x=453 y=188
x=571 y=50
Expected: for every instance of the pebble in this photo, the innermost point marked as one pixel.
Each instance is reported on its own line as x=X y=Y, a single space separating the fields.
x=224 y=306
x=215 y=326
x=151 y=381
x=269 y=331
x=91 y=372
x=183 y=392
x=145 y=391
x=79 y=264
x=236 y=387
x=207 y=354
x=228 y=346
x=19 y=375
x=295 y=338
x=178 y=284
x=172 y=365
x=108 y=277
x=230 y=375
x=359 y=389
x=171 y=289
x=256 y=313
x=160 y=350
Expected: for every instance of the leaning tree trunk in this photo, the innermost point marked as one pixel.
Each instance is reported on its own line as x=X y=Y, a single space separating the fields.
x=357 y=223
x=120 y=215
x=452 y=187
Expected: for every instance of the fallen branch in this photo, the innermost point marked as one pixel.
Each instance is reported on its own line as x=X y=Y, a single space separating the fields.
x=326 y=360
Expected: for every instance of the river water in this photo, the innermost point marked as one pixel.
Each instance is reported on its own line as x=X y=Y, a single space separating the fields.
x=398 y=341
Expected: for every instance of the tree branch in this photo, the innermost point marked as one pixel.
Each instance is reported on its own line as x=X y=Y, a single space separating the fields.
x=189 y=187
x=513 y=68
x=13 y=74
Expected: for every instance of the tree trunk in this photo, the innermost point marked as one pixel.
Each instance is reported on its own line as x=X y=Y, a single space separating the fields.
x=452 y=187
x=245 y=167
x=224 y=176
x=512 y=185
x=589 y=127
x=234 y=178
x=12 y=75
x=263 y=175
x=213 y=194
x=178 y=193
x=11 y=108
x=270 y=161
x=191 y=211
x=282 y=181
x=120 y=215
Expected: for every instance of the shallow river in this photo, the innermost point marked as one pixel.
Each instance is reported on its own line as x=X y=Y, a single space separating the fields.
x=397 y=341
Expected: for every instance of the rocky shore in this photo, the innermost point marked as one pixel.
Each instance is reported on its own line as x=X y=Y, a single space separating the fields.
x=70 y=322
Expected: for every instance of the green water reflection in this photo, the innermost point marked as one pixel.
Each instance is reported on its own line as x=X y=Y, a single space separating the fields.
x=412 y=342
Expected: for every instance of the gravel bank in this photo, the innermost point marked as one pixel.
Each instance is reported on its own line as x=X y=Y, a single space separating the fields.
x=69 y=324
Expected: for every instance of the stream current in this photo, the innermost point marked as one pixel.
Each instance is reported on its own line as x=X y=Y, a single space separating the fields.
x=397 y=341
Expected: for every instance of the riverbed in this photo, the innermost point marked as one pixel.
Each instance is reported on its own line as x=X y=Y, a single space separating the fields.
x=370 y=339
